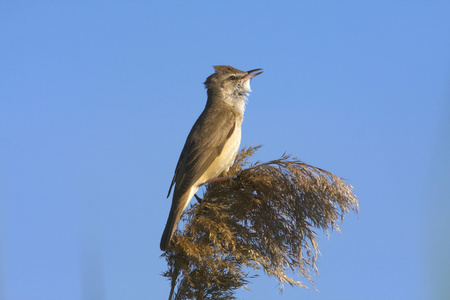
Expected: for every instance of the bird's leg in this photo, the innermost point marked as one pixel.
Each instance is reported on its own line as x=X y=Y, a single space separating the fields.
x=211 y=180
x=217 y=179
x=223 y=177
x=198 y=198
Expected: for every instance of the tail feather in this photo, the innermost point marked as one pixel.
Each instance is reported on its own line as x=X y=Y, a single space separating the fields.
x=174 y=217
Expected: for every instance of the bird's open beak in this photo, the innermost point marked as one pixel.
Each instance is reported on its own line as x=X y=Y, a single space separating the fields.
x=251 y=74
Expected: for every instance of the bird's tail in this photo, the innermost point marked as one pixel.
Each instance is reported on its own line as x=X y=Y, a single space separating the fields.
x=174 y=217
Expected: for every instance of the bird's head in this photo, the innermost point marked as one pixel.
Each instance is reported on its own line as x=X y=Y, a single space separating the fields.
x=230 y=84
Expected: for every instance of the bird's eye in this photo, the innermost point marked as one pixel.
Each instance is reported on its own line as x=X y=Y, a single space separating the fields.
x=232 y=77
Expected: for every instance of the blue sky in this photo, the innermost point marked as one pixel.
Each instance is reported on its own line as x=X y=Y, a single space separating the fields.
x=97 y=98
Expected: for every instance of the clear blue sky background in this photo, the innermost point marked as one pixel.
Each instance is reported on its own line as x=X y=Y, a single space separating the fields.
x=97 y=98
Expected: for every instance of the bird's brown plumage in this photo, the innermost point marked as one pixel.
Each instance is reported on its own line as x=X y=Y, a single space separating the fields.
x=210 y=147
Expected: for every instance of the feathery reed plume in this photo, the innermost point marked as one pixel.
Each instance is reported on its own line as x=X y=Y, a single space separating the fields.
x=262 y=218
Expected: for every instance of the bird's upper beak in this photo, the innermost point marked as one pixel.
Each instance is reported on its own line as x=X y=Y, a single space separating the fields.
x=251 y=74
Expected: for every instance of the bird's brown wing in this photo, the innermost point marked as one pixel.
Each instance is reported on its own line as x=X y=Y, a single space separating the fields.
x=204 y=143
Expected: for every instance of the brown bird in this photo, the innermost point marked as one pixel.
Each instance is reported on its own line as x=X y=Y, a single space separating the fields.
x=213 y=142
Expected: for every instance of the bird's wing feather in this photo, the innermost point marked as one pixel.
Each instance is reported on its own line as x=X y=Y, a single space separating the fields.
x=204 y=143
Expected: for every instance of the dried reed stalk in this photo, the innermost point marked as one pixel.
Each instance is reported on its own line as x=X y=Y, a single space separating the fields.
x=263 y=218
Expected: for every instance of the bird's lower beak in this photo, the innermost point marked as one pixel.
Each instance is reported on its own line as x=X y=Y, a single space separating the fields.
x=251 y=74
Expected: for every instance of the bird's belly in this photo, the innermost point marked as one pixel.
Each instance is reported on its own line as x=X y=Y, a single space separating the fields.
x=226 y=158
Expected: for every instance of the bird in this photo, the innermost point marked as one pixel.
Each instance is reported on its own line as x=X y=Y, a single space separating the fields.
x=213 y=142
